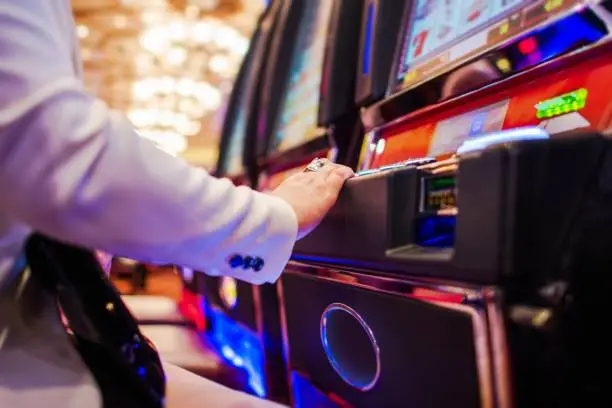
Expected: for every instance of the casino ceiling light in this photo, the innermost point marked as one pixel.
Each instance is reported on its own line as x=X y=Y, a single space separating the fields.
x=82 y=31
x=176 y=56
x=168 y=63
x=170 y=142
x=159 y=38
x=220 y=64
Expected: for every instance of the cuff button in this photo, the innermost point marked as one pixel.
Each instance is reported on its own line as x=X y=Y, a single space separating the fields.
x=257 y=264
x=236 y=261
x=248 y=262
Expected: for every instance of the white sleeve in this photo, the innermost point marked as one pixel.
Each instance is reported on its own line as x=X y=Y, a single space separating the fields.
x=74 y=170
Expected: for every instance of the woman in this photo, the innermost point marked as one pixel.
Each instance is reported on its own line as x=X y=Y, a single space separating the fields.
x=74 y=170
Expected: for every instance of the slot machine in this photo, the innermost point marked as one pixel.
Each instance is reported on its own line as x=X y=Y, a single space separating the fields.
x=308 y=108
x=313 y=42
x=467 y=263
x=380 y=23
x=231 y=312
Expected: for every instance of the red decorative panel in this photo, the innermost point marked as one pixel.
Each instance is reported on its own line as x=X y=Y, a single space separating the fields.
x=441 y=129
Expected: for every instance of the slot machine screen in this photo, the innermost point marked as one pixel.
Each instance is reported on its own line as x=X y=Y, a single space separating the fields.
x=297 y=119
x=441 y=33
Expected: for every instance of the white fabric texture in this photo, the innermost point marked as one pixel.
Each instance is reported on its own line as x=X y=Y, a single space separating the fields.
x=75 y=170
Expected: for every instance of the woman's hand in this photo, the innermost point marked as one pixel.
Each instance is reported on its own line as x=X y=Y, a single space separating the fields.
x=311 y=194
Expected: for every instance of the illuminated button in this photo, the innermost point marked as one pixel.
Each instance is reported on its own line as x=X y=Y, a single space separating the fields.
x=528 y=45
x=504 y=65
x=410 y=77
x=551 y=5
x=504 y=28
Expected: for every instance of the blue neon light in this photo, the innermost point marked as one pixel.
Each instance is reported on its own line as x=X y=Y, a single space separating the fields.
x=239 y=347
x=565 y=35
x=305 y=395
x=436 y=231
x=367 y=43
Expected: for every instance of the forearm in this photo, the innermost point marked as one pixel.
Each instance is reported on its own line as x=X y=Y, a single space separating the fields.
x=71 y=169
x=93 y=181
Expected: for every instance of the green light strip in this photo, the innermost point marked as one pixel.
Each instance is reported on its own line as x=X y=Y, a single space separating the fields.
x=569 y=102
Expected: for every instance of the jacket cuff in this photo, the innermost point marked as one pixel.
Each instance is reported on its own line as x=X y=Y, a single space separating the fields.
x=284 y=230
x=272 y=249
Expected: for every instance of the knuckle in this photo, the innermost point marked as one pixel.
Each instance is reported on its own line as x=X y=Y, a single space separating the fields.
x=319 y=182
x=343 y=170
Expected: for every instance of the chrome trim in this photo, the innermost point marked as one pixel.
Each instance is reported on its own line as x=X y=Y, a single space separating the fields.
x=323 y=333
x=258 y=312
x=499 y=351
x=601 y=12
x=487 y=140
x=440 y=166
x=369 y=138
x=476 y=309
x=285 y=338
x=486 y=377
x=413 y=163
x=392 y=285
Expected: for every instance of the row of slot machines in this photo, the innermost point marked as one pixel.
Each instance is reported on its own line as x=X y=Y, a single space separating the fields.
x=468 y=262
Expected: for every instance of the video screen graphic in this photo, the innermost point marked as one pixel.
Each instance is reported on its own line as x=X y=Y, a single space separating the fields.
x=442 y=32
x=297 y=122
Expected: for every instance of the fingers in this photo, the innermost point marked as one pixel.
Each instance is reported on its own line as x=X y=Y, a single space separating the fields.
x=338 y=176
x=334 y=175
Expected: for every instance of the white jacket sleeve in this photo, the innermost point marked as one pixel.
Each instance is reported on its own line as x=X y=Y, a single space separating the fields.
x=74 y=170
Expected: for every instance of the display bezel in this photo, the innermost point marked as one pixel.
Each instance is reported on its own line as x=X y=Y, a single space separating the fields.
x=246 y=95
x=395 y=88
x=275 y=125
x=425 y=98
x=338 y=118
x=274 y=79
x=238 y=100
x=379 y=26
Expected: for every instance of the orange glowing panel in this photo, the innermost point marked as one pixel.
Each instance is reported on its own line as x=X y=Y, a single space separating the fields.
x=597 y=79
x=504 y=106
x=409 y=144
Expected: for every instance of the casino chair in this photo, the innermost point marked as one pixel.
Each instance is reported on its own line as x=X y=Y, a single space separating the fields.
x=178 y=339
